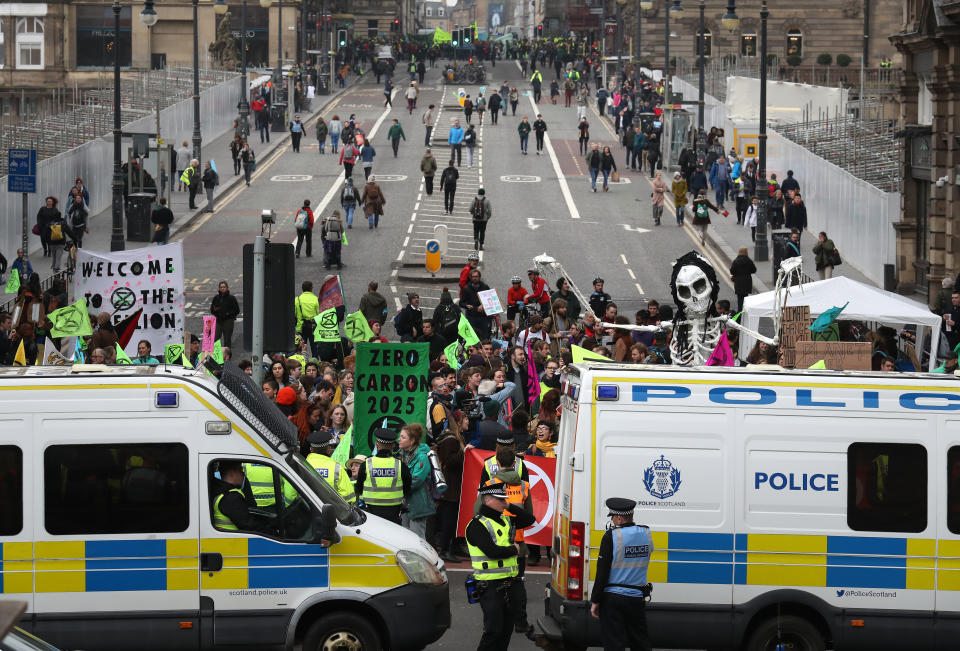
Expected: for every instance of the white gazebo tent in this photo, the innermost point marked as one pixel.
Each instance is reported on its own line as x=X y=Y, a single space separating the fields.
x=866 y=304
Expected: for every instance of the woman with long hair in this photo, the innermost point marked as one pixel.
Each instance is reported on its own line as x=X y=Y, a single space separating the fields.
x=278 y=369
x=338 y=422
x=413 y=453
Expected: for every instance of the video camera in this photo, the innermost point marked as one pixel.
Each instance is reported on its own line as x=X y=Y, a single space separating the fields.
x=473 y=407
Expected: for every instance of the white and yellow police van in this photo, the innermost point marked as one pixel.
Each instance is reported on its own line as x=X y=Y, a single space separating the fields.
x=812 y=509
x=108 y=478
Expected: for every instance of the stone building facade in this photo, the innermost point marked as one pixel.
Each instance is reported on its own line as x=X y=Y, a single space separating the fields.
x=928 y=234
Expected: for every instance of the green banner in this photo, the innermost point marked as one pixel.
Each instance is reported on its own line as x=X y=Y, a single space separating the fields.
x=391 y=389
x=356 y=328
x=13 y=282
x=328 y=329
x=71 y=320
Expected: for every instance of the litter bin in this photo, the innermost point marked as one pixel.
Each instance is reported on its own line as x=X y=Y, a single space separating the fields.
x=323 y=84
x=779 y=238
x=139 y=207
x=278 y=117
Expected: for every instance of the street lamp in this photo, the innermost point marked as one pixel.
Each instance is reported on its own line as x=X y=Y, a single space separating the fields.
x=620 y=4
x=701 y=144
x=645 y=5
x=197 y=140
x=761 y=252
x=676 y=13
x=730 y=20
x=243 y=124
x=149 y=18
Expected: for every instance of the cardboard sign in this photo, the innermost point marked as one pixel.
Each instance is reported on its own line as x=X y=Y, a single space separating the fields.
x=795 y=327
x=836 y=355
x=490 y=302
x=391 y=389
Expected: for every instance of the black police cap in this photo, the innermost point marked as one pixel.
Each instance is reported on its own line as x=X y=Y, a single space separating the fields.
x=384 y=435
x=621 y=506
x=320 y=438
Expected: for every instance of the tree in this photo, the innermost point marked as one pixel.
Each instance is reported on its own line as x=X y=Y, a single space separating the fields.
x=226 y=49
x=794 y=60
x=843 y=60
x=824 y=59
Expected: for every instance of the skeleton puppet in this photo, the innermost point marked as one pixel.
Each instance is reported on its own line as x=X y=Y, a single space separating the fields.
x=697 y=326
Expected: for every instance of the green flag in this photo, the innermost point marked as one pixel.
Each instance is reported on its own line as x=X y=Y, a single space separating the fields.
x=71 y=320
x=582 y=354
x=343 y=239
x=328 y=328
x=356 y=328
x=465 y=330
x=217 y=351
x=452 y=352
x=172 y=353
x=13 y=284
x=342 y=454
x=820 y=365
x=122 y=357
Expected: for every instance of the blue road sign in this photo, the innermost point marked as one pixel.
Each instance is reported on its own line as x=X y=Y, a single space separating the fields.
x=22 y=170
x=433 y=246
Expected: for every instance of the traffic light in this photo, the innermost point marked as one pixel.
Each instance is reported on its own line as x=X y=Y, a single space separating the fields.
x=455 y=38
x=396 y=25
x=467 y=36
x=539 y=31
x=342 y=37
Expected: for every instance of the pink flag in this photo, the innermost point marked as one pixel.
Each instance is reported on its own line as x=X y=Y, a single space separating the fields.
x=533 y=378
x=209 y=330
x=722 y=355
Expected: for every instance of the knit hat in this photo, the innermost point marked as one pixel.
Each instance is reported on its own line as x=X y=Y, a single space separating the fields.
x=491 y=409
x=286 y=396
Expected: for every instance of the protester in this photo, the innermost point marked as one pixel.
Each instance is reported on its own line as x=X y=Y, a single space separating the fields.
x=332 y=232
x=448 y=182
x=395 y=134
x=413 y=453
x=303 y=223
x=226 y=309
x=826 y=255
x=322 y=130
x=657 y=197
x=373 y=202
x=742 y=271
x=428 y=167
x=349 y=200
x=455 y=140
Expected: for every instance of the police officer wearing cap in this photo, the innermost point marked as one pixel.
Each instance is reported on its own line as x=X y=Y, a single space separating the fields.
x=383 y=481
x=493 y=555
x=599 y=299
x=231 y=508
x=332 y=472
x=620 y=587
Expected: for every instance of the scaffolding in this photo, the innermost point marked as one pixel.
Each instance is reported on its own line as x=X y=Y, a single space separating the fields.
x=79 y=116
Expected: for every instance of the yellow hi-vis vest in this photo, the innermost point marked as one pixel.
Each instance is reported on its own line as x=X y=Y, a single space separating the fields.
x=188 y=174
x=220 y=521
x=490 y=569
x=261 y=485
x=332 y=472
x=516 y=494
x=382 y=485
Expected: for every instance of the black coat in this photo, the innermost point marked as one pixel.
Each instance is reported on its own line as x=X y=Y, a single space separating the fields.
x=742 y=271
x=796 y=216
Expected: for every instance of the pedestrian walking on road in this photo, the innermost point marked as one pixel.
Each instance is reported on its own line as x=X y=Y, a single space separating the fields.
x=480 y=107
x=701 y=214
x=367 y=154
x=428 y=119
x=514 y=100
x=303 y=222
x=750 y=217
x=448 y=181
x=296 y=132
x=349 y=200
x=336 y=127
x=539 y=129
x=653 y=153
x=332 y=233
x=679 y=190
x=584 y=135
x=373 y=202
x=322 y=130
x=602 y=96
x=607 y=165
x=524 y=130
x=470 y=141
x=349 y=154
x=428 y=167
x=775 y=207
x=226 y=309
x=455 y=140
x=467 y=108
x=537 y=81
x=481 y=211
x=796 y=216
x=582 y=98
x=593 y=163
x=411 y=95
x=494 y=105
x=742 y=271
x=77 y=215
x=387 y=93
x=210 y=182
x=657 y=197
x=826 y=254
x=394 y=135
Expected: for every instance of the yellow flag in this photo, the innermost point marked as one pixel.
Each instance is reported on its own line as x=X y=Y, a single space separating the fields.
x=582 y=354
x=820 y=366
x=20 y=359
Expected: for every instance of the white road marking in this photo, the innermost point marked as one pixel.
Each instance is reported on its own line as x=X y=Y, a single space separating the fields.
x=630 y=271
x=624 y=258
x=564 y=186
x=639 y=288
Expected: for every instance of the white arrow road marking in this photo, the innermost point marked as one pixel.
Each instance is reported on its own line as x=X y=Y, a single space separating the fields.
x=635 y=229
x=531 y=223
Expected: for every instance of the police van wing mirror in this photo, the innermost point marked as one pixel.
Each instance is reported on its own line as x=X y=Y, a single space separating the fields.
x=325 y=527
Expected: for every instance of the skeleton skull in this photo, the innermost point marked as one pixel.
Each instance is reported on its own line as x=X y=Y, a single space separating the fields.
x=693 y=291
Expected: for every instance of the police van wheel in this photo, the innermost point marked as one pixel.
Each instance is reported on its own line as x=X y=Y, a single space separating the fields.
x=795 y=634
x=341 y=632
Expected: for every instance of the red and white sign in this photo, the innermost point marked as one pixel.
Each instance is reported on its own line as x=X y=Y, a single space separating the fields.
x=542 y=471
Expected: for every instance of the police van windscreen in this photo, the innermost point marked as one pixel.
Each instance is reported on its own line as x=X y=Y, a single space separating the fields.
x=247 y=399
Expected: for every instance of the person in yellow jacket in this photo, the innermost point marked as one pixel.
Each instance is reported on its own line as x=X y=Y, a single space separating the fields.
x=334 y=474
x=191 y=178
x=537 y=80
x=305 y=307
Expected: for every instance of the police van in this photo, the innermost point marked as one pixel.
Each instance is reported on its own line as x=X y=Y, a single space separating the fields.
x=109 y=479
x=809 y=509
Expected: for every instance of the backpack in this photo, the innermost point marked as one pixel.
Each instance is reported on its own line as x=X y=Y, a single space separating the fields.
x=396 y=319
x=302 y=220
x=701 y=210
x=347 y=196
x=56 y=232
x=476 y=211
x=334 y=235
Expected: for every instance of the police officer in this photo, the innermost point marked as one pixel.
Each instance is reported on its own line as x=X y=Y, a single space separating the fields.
x=383 y=481
x=231 y=510
x=330 y=470
x=260 y=479
x=620 y=588
x=495 y=565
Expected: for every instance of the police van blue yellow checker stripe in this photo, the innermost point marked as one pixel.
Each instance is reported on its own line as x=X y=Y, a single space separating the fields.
x=798 y=560
x=16 y=567
x=251 y=563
